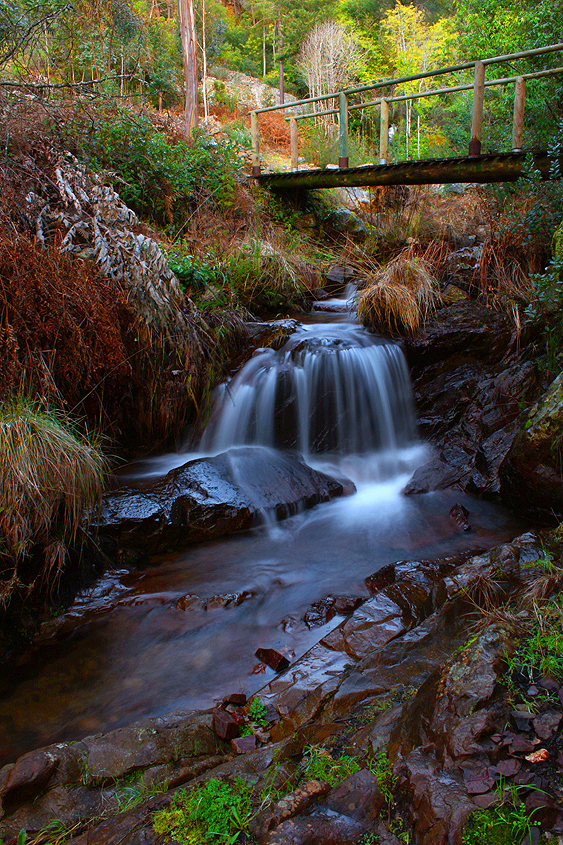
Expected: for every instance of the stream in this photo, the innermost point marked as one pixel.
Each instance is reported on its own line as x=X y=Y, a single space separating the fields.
x=139 y=643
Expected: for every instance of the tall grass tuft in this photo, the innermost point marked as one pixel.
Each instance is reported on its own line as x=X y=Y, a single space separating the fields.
x=398 y=298
x=49 y=477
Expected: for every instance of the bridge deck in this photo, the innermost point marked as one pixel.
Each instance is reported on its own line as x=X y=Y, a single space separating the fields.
x=494 y=167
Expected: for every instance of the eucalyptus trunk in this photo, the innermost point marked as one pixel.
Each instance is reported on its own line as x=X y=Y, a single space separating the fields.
x=188 y=36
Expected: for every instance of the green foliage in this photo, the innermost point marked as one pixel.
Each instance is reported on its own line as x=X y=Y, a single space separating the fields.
x=214 y=812
x=257 y=713
x=381 y=767
x=159 y=178
x=256 y=716
x=506 y=824
x=320 y=765
x=541 y=653
x=194 y=273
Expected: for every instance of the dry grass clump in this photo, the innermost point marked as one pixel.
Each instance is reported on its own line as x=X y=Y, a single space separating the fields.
x=49 y=477
x=264 y=273
x=398 y=298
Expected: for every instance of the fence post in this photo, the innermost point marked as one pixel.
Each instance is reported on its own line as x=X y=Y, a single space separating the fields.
x=255 y=133
x=343 y=160
x=383 y=132
x=518 y=122
x=294 y=139
x=477 y=115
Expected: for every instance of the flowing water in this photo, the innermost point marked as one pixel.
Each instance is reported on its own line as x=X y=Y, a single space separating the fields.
x=138 y=644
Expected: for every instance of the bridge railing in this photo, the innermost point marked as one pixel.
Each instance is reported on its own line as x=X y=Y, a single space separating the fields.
x=345 y=106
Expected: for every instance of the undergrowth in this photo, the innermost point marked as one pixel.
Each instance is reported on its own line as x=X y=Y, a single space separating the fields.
x=214 y=812
x=160 y=175
x=507 y=823
x=320 y=765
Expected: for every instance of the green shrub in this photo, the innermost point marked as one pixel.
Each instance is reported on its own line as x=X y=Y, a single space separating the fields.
x=158 y=177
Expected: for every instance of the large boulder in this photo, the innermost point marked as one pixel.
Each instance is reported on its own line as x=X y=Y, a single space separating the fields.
x=470 y=387
x=532 y=470
x=210 y=497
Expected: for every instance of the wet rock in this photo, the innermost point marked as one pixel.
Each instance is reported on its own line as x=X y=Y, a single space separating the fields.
x=374 y=624
x=316 y=829
x=440 y=805
x=243 y=744
x=469 y=389
x=272 y=658
x=462 y=266
x=459 y=516
x=522 y=719
x=238 y=699
x=358 y=797
x=345 y=222
x=209 y=497
x=148 y=743
x=190 y=602
x=465 y=328
x=29 y=776
x=338 y=277
x=272 y=334
x=229 y=600
x=226 y=725
x=508 y=768
x=321 y=612
x=531 y=470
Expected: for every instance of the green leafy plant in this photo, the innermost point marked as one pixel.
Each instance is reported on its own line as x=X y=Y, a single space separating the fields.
x=256 y=717
x=321 y=765
x=216 y=812
x=381 y=767
x=507 y=823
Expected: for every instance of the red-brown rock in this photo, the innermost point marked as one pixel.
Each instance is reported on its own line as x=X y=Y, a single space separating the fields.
x=272 y=658
x=243 y=744
x=226 y=725
x=29 y=776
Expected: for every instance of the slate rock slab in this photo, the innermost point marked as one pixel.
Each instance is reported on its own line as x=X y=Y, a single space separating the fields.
x=210 y=497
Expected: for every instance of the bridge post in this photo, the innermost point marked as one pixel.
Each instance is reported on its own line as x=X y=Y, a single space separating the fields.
x=518 y=122
x=255 y=135
x=477 y=115
x=294 y=138
x=384 y=132
x=343 y=160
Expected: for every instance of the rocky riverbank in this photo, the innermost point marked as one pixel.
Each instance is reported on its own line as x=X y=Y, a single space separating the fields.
x=419 y=669
x=417 y=684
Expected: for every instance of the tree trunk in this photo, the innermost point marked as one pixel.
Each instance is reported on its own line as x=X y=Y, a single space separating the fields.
x=189 y=49
x=204 y=60
x=280 y=48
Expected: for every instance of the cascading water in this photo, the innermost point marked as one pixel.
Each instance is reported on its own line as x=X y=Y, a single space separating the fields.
x=331 y=391
x=141 y=645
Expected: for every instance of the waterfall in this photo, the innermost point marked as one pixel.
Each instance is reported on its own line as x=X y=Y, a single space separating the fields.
x=333 y=390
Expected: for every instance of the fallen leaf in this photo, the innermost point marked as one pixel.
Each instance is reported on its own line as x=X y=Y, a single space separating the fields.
x=539 y=756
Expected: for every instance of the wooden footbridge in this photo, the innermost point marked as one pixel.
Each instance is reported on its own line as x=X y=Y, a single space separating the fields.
x=475 y=167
